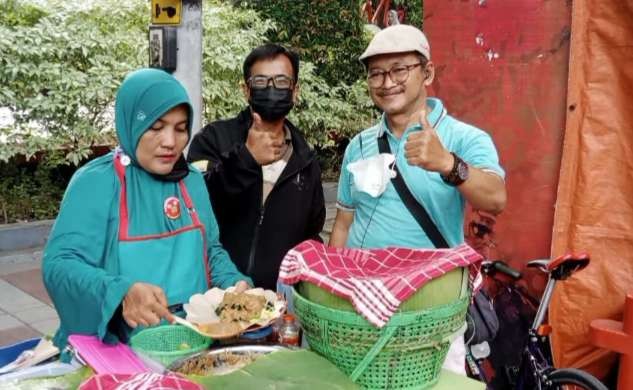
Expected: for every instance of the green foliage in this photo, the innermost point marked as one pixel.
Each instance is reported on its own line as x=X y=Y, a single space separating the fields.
x=327 y=33
x=59 y=75
x=328 y=114
x=414 y=11
x=229 y=35
x=30 y=192
x=18 y=13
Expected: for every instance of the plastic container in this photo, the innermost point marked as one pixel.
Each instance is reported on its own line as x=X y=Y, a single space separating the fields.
x=289 y=331
x=48 y=370
x=167 y=343
x=105 y=358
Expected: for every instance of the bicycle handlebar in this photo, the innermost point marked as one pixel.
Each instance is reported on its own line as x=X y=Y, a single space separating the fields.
x=500 y=266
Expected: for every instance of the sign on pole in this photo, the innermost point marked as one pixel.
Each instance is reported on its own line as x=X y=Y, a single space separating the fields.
x=166 y=11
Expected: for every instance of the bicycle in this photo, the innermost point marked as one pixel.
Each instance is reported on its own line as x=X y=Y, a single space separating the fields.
x=531 y=368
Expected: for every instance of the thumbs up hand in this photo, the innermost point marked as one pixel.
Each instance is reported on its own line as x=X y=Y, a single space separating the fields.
x=425 y=150
x=264 y=145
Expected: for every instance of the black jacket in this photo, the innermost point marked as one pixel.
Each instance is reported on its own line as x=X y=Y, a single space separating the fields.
x=257 y=237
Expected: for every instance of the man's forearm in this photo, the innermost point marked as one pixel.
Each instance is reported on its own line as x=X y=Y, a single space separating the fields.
x=338 y=237
x=340 y=230
x=484 y=191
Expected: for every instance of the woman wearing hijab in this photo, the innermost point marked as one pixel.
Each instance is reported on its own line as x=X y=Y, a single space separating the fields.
x=136 y=234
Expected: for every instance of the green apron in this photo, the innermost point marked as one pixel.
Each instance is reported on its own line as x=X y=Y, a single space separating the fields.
x=176 y=261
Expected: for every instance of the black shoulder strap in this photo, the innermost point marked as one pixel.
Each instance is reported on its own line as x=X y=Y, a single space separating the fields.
x=415 y=208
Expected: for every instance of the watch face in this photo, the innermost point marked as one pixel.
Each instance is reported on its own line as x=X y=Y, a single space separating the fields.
x=462 y=171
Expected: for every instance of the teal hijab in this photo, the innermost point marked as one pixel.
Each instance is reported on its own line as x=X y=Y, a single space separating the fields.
x=144 y=96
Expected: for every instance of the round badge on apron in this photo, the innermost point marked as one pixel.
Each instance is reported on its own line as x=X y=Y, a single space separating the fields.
x=171 y=207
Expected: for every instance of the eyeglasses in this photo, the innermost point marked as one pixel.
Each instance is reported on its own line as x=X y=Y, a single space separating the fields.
x=280 y=81
x=398 y=74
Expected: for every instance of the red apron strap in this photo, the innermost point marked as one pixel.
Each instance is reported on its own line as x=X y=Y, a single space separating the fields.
x=189 y=203
x=123 y=212
x=196 y=220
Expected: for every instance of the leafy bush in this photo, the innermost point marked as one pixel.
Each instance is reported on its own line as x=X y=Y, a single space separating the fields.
x=414 y=11
x=59 y=76
x=328 y=33
x=229 y=35
x=16 y=13
x=31 y=192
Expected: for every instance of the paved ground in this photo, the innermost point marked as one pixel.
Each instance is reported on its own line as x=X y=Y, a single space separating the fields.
x=25 y=307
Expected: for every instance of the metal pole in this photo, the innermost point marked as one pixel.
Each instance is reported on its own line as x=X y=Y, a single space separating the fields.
x=547 y=297
x=189 y=69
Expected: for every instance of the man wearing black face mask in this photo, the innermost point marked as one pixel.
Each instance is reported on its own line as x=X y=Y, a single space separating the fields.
x=263 y=178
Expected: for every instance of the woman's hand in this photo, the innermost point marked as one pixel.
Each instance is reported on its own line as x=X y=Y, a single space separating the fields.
x=241 y=286
x=145 y=304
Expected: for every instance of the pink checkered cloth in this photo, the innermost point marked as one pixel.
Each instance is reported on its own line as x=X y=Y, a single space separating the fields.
x=146 y=380
x=375 y=281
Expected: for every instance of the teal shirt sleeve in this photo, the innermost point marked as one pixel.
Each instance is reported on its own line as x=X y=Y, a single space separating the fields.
x=224 y=273
x=478 y=150
x=344 y=198
x=79 y=252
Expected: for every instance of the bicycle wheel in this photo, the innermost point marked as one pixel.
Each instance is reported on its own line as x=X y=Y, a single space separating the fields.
x=574 y=379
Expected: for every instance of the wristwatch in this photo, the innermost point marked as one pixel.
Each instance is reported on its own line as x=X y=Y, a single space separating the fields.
x=458 y=174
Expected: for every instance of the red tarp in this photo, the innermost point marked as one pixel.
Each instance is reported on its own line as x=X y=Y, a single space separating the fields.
x=502 y=66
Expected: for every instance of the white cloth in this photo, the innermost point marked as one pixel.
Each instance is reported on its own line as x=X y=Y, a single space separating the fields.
x=456 y=357
x=371 y=175
x=271 y=172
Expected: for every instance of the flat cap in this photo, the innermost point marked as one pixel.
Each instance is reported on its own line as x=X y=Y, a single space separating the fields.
x=399 y=38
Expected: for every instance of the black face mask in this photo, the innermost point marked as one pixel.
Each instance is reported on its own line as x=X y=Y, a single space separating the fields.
x=271 y=103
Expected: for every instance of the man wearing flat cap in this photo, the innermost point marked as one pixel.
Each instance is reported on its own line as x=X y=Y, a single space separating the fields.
x=442 y=161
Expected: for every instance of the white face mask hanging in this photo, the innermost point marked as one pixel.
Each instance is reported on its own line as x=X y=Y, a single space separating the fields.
x=372 y=175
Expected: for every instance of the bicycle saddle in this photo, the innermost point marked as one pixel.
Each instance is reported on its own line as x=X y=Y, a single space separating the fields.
x=563 y=266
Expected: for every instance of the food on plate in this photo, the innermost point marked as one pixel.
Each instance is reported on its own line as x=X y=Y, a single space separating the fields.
x=222 y=314
x=237 y=307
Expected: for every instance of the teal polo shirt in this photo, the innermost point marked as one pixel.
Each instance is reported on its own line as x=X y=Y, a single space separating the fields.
x=385 y=221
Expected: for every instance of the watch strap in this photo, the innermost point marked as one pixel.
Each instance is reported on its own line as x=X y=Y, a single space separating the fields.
x=453 y=178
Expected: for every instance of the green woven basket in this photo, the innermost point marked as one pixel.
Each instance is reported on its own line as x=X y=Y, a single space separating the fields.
x=407 y=353
x=167 y=343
